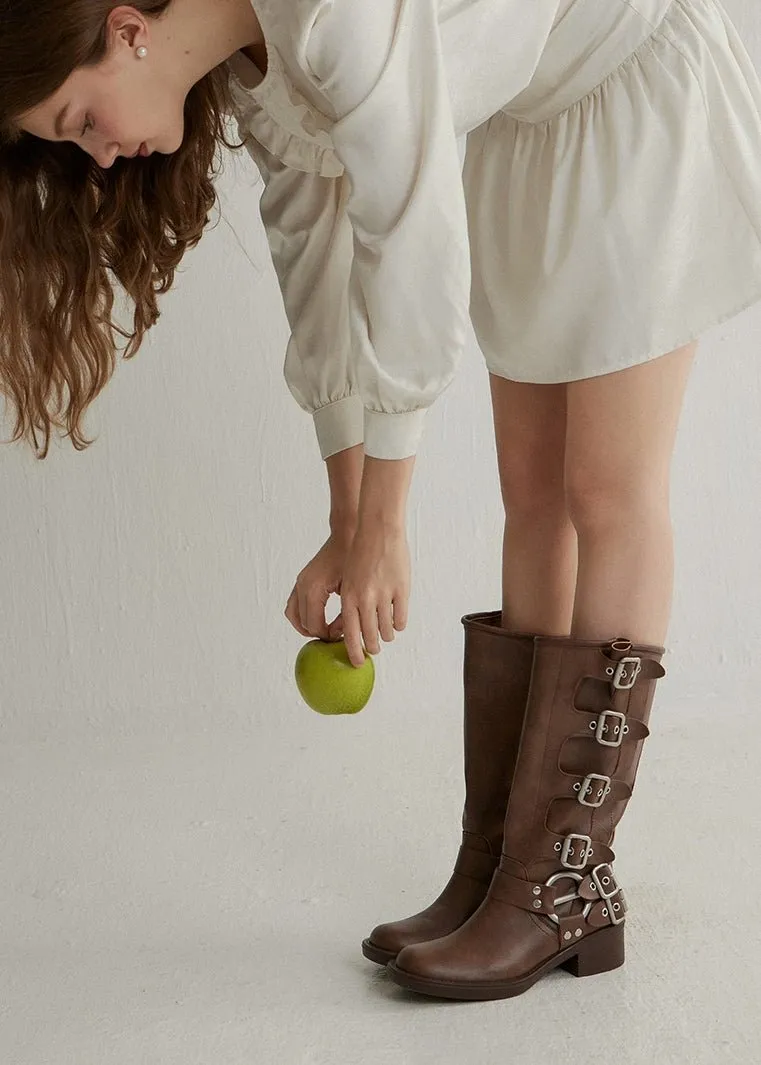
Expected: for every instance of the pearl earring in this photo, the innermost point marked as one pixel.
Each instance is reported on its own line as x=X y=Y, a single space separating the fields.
x=142 y=52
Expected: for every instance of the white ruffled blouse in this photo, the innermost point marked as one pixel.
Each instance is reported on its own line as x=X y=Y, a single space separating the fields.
x=354 y=129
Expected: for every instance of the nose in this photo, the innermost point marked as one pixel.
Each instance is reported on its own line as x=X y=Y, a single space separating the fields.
x=105 y=157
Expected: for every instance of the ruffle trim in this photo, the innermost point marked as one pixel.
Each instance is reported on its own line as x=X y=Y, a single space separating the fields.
x=277 y=115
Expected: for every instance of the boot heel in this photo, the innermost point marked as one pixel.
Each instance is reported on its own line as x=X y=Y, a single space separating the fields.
x=602 y=951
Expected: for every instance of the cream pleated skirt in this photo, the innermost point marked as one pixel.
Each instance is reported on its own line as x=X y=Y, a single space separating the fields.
x=614 y=207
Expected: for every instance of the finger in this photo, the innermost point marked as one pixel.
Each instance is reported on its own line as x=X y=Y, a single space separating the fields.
x=302 y=606
x=386 y=621
x=368 y=614
x=353 y=635
x=292 y=613
x=309 y=613
x=400 y=612
x=315 y=620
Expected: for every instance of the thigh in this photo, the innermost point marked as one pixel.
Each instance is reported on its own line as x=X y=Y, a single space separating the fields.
x=621 y=429
x=530 y=432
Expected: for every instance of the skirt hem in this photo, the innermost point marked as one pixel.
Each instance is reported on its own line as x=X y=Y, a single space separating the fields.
x=693 y=334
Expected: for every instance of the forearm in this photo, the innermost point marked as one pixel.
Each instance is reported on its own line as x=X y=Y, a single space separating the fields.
x=345 y=480
x=384 y=492
x=367 y=490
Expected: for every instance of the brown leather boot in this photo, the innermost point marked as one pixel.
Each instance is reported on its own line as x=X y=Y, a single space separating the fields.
x=554 y=900
x=496 y=674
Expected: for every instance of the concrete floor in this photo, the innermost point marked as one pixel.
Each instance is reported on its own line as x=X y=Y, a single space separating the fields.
x=199 y=896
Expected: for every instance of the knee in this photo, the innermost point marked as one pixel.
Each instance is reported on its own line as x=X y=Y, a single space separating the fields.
x=530 y=491
x=601 y=498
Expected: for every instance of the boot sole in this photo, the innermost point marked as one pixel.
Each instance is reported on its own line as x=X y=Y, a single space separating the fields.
x=377 y=954
x=599 y=952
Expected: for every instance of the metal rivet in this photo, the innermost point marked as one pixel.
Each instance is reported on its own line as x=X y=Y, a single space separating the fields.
x=605 y=911
x=537 y=904
x=567 y=935
x=537 y=890
x=577 y=932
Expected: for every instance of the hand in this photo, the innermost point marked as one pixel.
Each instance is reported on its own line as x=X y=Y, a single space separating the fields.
x=314 y=585
x=375 y=588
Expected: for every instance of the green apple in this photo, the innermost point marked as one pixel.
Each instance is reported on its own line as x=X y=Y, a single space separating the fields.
x=328 y=681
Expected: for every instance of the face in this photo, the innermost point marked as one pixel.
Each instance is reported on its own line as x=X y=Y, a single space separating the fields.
x=115 y=107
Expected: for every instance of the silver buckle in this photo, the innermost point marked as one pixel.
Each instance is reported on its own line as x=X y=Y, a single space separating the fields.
x=607 y=895
x=597 y=877
x=602 y=727
x=588 y=786
x=568 y=846
x=621 y=672
x=577 y=878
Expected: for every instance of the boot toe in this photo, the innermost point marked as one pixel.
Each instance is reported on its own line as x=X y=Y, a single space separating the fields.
x=434 y=960
x=432 y=923
x=389 y=937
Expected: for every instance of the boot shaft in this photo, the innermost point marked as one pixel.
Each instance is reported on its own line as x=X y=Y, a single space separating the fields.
x=586 y=719
x=496 y=675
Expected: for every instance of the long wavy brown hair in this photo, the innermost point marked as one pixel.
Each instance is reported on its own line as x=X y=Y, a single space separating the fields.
x=70 y=229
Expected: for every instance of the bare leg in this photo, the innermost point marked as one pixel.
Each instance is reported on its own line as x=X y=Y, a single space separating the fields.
x=621 y=431
x=539 y=565
x=539 y=553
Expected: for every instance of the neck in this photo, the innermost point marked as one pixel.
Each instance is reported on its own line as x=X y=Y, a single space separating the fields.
x=207 y=32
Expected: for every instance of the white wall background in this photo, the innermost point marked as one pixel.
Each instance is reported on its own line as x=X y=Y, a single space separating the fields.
x=143 y=581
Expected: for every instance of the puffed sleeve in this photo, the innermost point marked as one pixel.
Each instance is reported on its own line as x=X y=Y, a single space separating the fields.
x=310 y=241
x=379 y=64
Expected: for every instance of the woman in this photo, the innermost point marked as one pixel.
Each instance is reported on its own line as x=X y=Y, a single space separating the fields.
x=608 y=213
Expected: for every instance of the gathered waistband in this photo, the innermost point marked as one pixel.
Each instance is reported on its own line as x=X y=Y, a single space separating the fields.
x=591 y=40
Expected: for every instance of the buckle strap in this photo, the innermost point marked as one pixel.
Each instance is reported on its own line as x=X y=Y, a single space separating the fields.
x=599 y=916
x=601 y=885
x=610 y=727
x=594 y=788
x=624 y=671
x=609 y=907
x=576 y=851
x=526 y=894
x=604 y=901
